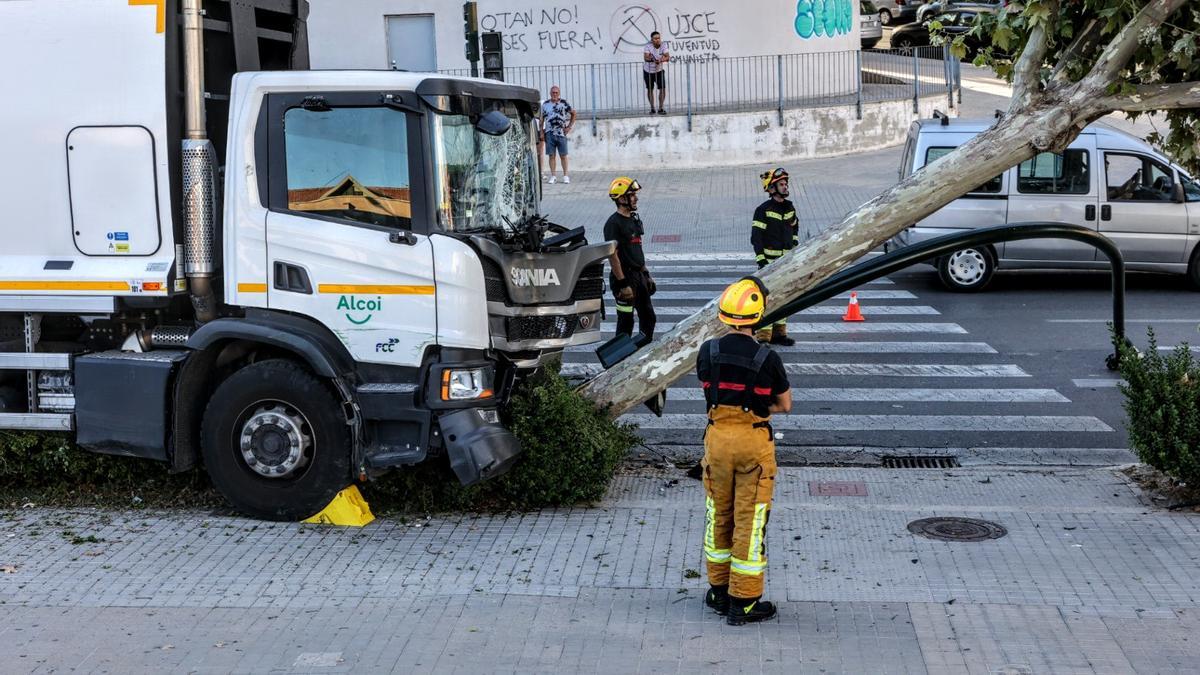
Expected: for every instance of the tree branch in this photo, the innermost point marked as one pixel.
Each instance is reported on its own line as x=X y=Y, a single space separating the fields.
x=1118 y=52
x=1028 y=69
x=1151 y=97
x=1087 y=38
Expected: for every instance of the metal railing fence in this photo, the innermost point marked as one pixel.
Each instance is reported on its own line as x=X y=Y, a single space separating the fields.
x=750 y=83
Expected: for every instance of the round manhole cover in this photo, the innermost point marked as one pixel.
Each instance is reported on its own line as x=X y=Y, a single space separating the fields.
x=956 y=529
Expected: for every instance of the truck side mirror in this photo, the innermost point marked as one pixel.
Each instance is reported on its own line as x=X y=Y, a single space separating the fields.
x=494 y=123
x=1177 y=194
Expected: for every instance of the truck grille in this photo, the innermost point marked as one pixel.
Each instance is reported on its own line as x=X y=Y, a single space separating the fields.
x=589 y=287
x=520 y=328
x=591 y=283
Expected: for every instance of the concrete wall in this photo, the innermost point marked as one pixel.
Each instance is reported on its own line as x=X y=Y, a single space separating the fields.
x=742 y=138
x=352 y=33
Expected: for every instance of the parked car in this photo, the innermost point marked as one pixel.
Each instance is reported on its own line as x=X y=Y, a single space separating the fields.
x=898 y=11
x=933 y=9
x=1106 y=180
x=869 y=26
x=954 y=22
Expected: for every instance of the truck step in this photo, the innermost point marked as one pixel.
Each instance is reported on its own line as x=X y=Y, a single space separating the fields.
x=34 y=361
x=36 y=421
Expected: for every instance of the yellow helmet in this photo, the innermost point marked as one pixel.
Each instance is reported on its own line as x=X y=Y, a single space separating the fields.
x=770 y=178
x=743 y=303
x=622 y=186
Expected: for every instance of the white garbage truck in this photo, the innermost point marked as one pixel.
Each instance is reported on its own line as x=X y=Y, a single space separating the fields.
x=211 y=255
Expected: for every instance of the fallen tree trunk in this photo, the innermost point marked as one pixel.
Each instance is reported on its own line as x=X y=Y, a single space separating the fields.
x=1041 y=119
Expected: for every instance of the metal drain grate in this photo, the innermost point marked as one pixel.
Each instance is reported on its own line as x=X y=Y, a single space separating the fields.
x=956 y=529
x=921 y=462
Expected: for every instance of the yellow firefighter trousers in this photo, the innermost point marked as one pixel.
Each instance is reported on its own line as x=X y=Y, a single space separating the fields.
x=739 y=479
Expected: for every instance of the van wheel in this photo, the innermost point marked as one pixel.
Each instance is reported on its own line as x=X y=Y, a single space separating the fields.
x=1194 y=270
x=275 y=443
x=967 y=270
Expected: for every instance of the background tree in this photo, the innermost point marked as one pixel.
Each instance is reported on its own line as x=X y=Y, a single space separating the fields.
x=1073 y=62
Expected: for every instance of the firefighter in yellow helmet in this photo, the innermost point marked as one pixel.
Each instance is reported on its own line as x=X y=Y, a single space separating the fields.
x=629 y=279
x=744 y=383
x=775 y=231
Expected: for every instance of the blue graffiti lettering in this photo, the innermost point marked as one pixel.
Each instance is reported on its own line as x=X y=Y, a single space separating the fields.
x=823 y=18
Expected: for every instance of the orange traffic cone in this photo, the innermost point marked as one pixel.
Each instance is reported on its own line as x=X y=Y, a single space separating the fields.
x=852 y=312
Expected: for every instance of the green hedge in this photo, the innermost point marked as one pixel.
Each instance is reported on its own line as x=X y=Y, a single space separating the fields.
x=571 y=451
x=1162 y=399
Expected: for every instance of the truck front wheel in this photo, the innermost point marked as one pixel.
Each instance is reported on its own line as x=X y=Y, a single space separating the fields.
x=275 y=443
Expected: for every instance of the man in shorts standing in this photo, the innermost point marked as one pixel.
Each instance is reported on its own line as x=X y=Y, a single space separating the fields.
x=655 y=56
x=558 y=118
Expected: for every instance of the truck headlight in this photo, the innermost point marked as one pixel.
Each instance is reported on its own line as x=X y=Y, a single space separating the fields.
x=467 y=384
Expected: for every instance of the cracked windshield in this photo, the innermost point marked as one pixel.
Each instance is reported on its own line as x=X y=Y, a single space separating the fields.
x=484 y=181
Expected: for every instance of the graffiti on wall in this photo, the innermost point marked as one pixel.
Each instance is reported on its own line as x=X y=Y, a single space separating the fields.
x=689 y=36
x=823 y=18
x=556 y=28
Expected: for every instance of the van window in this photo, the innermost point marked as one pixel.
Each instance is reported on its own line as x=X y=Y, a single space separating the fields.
x=1136 y=178
x=1191 y=188
x=934 y=154
x=906 y=159
x=1053 y=174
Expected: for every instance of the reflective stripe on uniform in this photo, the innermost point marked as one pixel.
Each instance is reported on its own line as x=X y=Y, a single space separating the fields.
x=746 y=567
x=760 y=224
x=756 y=533
x=624 y=308
x=711 y=552
x=776 y=216
x=789 y=215
x=774 y=251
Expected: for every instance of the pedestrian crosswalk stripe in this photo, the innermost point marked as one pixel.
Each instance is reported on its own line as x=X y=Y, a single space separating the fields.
x=803 y=347
x=827 y=327
x=858 y=370
x=867 y=294
x=915 y=395
x=715 y=279
x=982 y=423
x=820 y=310
x=1098 y=383
x=905 y=370
x=660 y=271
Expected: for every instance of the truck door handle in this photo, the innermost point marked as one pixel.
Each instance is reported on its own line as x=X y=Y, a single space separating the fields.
x=1106 y=212
x=1089 y=213
x=403 y=237
x=292 y=278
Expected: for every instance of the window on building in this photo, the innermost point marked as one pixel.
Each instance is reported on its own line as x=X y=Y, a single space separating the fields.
x=349 y=164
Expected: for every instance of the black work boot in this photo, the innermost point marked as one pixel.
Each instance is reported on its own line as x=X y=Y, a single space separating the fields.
x=780 y=337
x=717 y=598
x=749 y=611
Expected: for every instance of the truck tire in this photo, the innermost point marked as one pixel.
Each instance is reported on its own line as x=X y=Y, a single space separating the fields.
x=275 y=443
x=967 y=270
x=1193 y=271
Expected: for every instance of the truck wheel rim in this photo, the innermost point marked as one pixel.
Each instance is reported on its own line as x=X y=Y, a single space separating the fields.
x=275 y=440
x=967 y=267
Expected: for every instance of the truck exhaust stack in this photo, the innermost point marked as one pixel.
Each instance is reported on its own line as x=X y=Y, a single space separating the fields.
x=199 y=172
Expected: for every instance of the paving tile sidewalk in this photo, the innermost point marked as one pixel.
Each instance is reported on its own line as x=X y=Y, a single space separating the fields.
x=1088 y=579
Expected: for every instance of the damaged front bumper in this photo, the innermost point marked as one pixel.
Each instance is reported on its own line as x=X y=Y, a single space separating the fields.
x=477 y=445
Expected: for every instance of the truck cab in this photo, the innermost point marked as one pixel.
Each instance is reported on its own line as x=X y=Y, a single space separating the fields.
x=295 y=278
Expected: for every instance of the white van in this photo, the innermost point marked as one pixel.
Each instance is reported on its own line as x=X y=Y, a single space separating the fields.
x=1106 y=180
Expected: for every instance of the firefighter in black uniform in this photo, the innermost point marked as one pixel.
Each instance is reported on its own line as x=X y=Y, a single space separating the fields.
x=631 y=283
x=744 y=383
x=776 y=230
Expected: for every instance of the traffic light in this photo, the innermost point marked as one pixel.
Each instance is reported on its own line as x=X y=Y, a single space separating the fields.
x=493 y=55
x=471 y=33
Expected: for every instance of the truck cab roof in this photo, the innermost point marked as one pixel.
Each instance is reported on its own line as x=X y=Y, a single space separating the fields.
x=423 y=84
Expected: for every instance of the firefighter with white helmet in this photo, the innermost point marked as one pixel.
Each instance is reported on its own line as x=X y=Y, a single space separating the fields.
x=744 y=384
